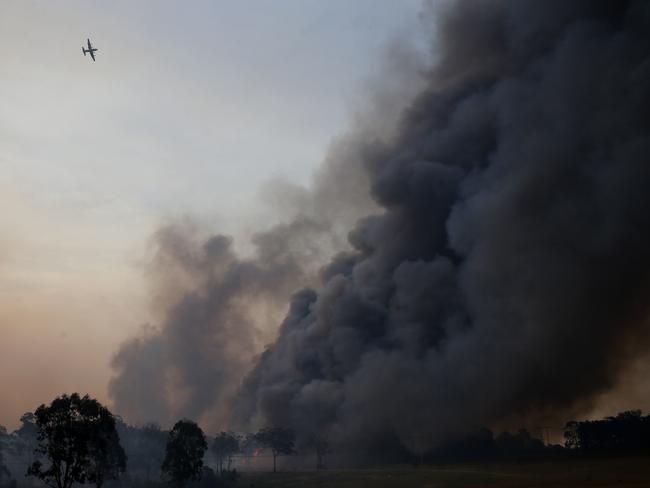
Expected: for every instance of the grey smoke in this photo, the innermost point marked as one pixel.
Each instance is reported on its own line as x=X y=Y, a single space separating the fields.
x=499 y=273
x=506 y=278
x=217 y=309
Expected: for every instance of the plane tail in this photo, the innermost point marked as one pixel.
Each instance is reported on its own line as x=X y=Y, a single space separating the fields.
x=83 y=50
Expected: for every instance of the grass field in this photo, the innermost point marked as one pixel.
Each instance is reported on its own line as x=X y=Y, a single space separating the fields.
x=625 y=473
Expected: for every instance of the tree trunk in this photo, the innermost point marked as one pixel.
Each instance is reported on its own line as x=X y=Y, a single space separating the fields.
x=274 y=456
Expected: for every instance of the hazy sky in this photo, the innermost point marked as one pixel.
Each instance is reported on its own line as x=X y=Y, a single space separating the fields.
x=189 y=108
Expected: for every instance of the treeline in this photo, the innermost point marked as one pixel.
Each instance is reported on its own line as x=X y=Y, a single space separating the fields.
x=484 y=445
x=627 y=433
x=477 y=445
x=76 y=440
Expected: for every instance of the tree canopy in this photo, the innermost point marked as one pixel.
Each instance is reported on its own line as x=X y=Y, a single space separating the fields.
x=278 y=439
x=77 y=437
x=627 y=432
x=107 y=460
x=186 y=446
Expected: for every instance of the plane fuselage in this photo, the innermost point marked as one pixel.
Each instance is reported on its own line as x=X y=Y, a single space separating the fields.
x=91 y=50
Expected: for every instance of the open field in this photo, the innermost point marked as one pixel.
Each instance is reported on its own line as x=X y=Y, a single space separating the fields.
x=571 y=474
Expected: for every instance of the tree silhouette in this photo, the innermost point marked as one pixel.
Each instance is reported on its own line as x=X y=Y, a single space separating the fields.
x=225 y=445
x=186 y=446
x=322 y=447
x=278 y=439
x=627 y=432
x=77 y=436
x=107 y=460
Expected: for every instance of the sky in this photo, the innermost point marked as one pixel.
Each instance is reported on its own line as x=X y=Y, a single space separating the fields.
x=188 y=111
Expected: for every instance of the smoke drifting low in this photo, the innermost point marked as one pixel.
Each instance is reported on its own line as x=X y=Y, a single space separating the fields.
x=502 y=277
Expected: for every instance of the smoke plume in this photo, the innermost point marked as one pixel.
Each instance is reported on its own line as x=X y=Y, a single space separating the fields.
x=506 y=276
x=218 y=309
x=498 y=275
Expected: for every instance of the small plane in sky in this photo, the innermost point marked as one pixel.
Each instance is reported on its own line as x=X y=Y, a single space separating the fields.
x=91 y=50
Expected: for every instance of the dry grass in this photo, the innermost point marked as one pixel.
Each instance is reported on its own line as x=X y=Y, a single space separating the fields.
x=621 y=473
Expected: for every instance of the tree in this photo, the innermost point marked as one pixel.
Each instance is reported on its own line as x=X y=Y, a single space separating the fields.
x=107 y=460
x=278 y=439
x=627 y=432
x=225 y=445
x=77 y=436
x=322 y=447
x=186 y=446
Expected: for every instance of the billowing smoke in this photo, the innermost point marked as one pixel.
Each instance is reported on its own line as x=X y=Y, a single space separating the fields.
x=218 y=310
x=501 y=278
x=507 y=276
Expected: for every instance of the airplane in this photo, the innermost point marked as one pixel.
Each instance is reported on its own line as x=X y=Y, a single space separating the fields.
x=91 y=50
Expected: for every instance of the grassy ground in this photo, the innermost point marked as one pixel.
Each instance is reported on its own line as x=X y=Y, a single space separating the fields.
x=623 y=473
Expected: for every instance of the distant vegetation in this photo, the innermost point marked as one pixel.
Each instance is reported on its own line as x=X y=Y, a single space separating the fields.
x=76 y=440
x=224 y=447
x=628 y=432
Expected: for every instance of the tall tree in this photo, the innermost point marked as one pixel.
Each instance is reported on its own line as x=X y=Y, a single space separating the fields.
x=186 y=446
x=77 y=437
x=321 y=446
x=107 y=460
x=225 y=445
x=278 y=439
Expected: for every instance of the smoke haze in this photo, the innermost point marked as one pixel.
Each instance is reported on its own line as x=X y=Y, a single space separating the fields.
x=497 y=272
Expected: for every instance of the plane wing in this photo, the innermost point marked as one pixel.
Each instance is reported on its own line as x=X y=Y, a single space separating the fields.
x=92 y=54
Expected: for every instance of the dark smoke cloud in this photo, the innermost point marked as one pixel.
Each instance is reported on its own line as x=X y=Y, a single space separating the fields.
x=217 y=308
x=498 y=269
x=505 y=277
